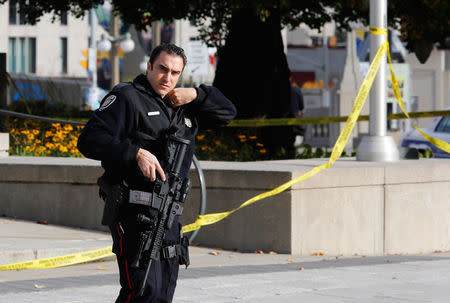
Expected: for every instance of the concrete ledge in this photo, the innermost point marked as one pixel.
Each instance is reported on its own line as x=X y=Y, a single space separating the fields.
x=364 y=208
x=24 y=241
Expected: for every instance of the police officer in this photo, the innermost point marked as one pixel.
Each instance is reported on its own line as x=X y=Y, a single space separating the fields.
x=128 y=133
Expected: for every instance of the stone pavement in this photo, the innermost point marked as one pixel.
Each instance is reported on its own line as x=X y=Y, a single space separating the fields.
x=219 y=276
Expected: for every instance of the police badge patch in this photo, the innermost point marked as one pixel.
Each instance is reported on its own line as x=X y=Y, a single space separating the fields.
x=110 y=100
x=188 y=122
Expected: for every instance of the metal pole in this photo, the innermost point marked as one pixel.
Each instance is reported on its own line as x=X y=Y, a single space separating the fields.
x=325 y=91
x=93 y=49
x=377 y=146
x=156 y=33
x=114 y=53
x=377 y=124
x=201 y=179
x=92 y=62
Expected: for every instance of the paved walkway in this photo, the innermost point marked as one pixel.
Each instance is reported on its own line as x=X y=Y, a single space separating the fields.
x=218 y=276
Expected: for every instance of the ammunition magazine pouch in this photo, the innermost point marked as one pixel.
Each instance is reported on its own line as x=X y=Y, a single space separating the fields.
x=181 y=250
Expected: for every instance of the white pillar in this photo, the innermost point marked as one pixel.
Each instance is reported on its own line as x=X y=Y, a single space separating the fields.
x=377 y=146
x=377 y=124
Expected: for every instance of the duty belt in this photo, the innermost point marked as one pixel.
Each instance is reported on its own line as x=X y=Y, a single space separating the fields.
x=170 y=251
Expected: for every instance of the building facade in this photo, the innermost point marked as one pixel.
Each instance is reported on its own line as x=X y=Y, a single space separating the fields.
x=47 y=49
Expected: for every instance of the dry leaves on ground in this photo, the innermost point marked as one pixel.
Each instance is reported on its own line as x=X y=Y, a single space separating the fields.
x=39 y=286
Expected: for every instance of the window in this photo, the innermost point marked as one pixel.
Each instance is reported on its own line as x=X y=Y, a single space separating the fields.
x=22 y=19
x=22 y=55
x=12 y=55
x=14 y=14
x=64 y=18
x=444 y=125
x=32 y=55
x=64 y=55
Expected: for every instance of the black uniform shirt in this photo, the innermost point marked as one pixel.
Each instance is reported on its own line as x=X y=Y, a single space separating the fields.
x=133 y=116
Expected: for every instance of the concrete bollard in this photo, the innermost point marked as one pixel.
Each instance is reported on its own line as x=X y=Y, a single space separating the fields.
x=4 y=144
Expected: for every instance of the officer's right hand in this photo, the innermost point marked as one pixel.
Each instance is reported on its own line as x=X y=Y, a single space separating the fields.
x=149 y=164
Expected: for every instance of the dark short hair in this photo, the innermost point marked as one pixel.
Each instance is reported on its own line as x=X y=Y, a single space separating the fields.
x=171 y=49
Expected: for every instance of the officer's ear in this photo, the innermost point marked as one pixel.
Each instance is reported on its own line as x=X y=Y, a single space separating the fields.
x=149 y=65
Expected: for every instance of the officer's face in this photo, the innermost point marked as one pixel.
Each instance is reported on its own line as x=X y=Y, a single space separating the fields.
x=165 y=72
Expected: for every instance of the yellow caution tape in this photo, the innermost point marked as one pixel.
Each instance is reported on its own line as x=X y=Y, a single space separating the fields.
x=326 y=120
x=288 y=121
x=215 y=217
x=60 y=261
x=436 y=113
x=340 y=143
x=378 y=31
x=335 y=154
x=435 y=141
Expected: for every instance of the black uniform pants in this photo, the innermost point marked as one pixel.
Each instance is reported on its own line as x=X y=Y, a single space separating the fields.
x=162 y=278
x=160 y=286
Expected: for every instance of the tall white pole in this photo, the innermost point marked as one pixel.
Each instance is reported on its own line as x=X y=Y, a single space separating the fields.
x=377 y=146
x=114 y=53
x=93 y=49
x=156 y=33
x=93 y=96
x=378 y=121
x=325 y=91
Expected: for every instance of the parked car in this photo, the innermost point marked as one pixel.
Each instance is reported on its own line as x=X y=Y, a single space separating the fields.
x=439 y=128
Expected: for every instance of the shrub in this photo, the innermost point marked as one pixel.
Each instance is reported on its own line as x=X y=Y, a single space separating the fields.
x=35 y=138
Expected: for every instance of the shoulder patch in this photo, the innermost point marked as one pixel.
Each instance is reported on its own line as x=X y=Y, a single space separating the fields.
x=108 y=101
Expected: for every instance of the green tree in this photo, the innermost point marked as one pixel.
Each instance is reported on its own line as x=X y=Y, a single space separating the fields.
x=252 y=68
x=422 y=22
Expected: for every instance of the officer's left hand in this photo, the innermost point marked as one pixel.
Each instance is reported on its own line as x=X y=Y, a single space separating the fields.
x=181 y=95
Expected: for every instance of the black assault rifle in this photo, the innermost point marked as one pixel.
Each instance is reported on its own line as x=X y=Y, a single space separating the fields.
x=166 y=198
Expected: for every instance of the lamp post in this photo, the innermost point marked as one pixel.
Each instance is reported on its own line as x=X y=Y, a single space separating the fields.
x=377 y=146
x=94 y=93
x=111 y=44
x=143 y=64
x=114 y=53
x=92 y=52
x=325 y=92
x=106 y=44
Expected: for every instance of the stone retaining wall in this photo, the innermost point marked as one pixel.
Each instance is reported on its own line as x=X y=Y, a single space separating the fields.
x=364 y=208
